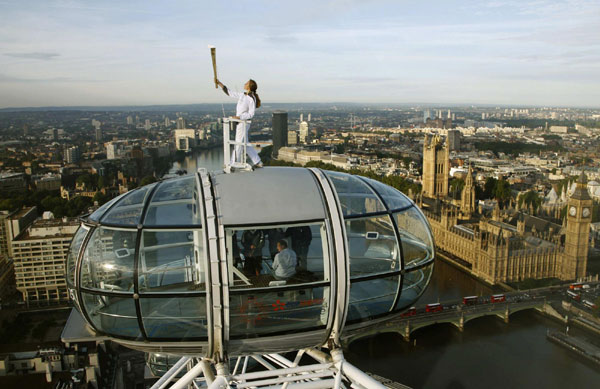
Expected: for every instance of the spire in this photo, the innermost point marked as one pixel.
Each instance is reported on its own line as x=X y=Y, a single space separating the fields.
x=496 y=212
x=581 y=192
x=469 y=180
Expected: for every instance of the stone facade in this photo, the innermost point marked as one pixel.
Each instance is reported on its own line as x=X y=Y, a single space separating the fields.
x=436 y=167
x=504 y=245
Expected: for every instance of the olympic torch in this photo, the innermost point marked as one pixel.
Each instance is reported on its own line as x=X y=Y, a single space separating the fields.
x=213 y=54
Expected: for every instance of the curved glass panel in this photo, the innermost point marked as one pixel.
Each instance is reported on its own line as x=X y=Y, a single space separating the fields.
x=128 y=211
x=256 y=260
x=171 y=261
x=355 y=196
x=174 y=318
x=175 y=202
x=392 y=197
x=372 y=245
x=74 y=252
x=254 y=314
x=97 y=215
x=414 y=285
x=278 y=256
x=417 y=244
x=112 y=315
x=371 y=298
x=159 y=364
x=108 y=260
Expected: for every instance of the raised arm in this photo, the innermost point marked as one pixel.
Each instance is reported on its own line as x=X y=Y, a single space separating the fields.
x=228 y=92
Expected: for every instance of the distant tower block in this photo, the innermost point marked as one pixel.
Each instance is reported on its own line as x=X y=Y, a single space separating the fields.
x=436 y=167
x=303 y=132
x=180 y=123
x=309 y=117
x=280 y=131
x=579 y=217
x=453 y=140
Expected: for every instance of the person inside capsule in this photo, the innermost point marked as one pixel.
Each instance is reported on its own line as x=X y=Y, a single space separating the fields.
x=284 y=265
x=301 y=237
x=253 y=242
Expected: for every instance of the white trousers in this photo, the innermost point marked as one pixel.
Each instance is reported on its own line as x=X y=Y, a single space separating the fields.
x=241 y=133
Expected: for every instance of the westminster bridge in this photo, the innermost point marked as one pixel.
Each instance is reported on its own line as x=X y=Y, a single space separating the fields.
x=458 y=314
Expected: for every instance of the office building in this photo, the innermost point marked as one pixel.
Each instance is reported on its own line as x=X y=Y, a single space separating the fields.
x=113 y=150
x=454 y=140
x=98 y=134
x=185 y=139
x=39 y=256
x=48 y=182
x=280 y=131
x=12 y=182
x=303 y=133
x=11 y=225
x=292 y=138
x=180 y=123
x=72 y=154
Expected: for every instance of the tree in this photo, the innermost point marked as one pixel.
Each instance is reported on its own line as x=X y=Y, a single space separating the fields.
x=266 y=154
x=100 y=197
x=531 y=199
x=489 y=187
x=456 y=187
x=502 y=192
x=147 y=180
x=102 y=182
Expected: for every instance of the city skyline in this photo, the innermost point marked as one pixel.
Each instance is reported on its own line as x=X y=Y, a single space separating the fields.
x=536 y=53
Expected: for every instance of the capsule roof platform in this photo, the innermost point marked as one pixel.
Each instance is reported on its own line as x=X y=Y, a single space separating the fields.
x=274 y=260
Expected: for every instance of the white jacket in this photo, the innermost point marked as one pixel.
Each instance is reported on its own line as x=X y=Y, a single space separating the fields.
x=245 y=105
x=285 y=263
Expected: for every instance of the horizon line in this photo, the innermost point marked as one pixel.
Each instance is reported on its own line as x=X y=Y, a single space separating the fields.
x=265 y=105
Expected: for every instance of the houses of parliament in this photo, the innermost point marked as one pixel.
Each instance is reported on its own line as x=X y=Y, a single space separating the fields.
x=506 y=245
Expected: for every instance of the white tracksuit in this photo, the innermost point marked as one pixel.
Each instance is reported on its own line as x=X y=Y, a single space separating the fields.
x=245 y=111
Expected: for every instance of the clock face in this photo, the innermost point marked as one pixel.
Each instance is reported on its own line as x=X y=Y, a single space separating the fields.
x=586 y=212
x=572 y=211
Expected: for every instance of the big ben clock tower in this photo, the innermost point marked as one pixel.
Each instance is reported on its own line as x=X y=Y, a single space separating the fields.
x=579 y=217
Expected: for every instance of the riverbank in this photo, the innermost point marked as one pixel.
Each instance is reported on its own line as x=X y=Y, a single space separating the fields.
x=581 y=347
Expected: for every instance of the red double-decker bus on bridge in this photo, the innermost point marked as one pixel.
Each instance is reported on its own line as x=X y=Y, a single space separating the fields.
x=497 y=298
x=435 y=307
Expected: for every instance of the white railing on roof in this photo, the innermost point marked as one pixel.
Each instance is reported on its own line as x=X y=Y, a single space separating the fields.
x=239 y=163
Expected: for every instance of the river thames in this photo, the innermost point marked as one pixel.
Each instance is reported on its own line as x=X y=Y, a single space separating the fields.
x=488 y=353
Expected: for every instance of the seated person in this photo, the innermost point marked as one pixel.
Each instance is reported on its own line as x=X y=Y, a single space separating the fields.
x=285 y=262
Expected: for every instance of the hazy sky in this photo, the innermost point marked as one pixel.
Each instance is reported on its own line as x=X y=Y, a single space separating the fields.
x=155 y=52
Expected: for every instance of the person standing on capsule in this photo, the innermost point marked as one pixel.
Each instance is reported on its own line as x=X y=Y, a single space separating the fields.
x=246 y=105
